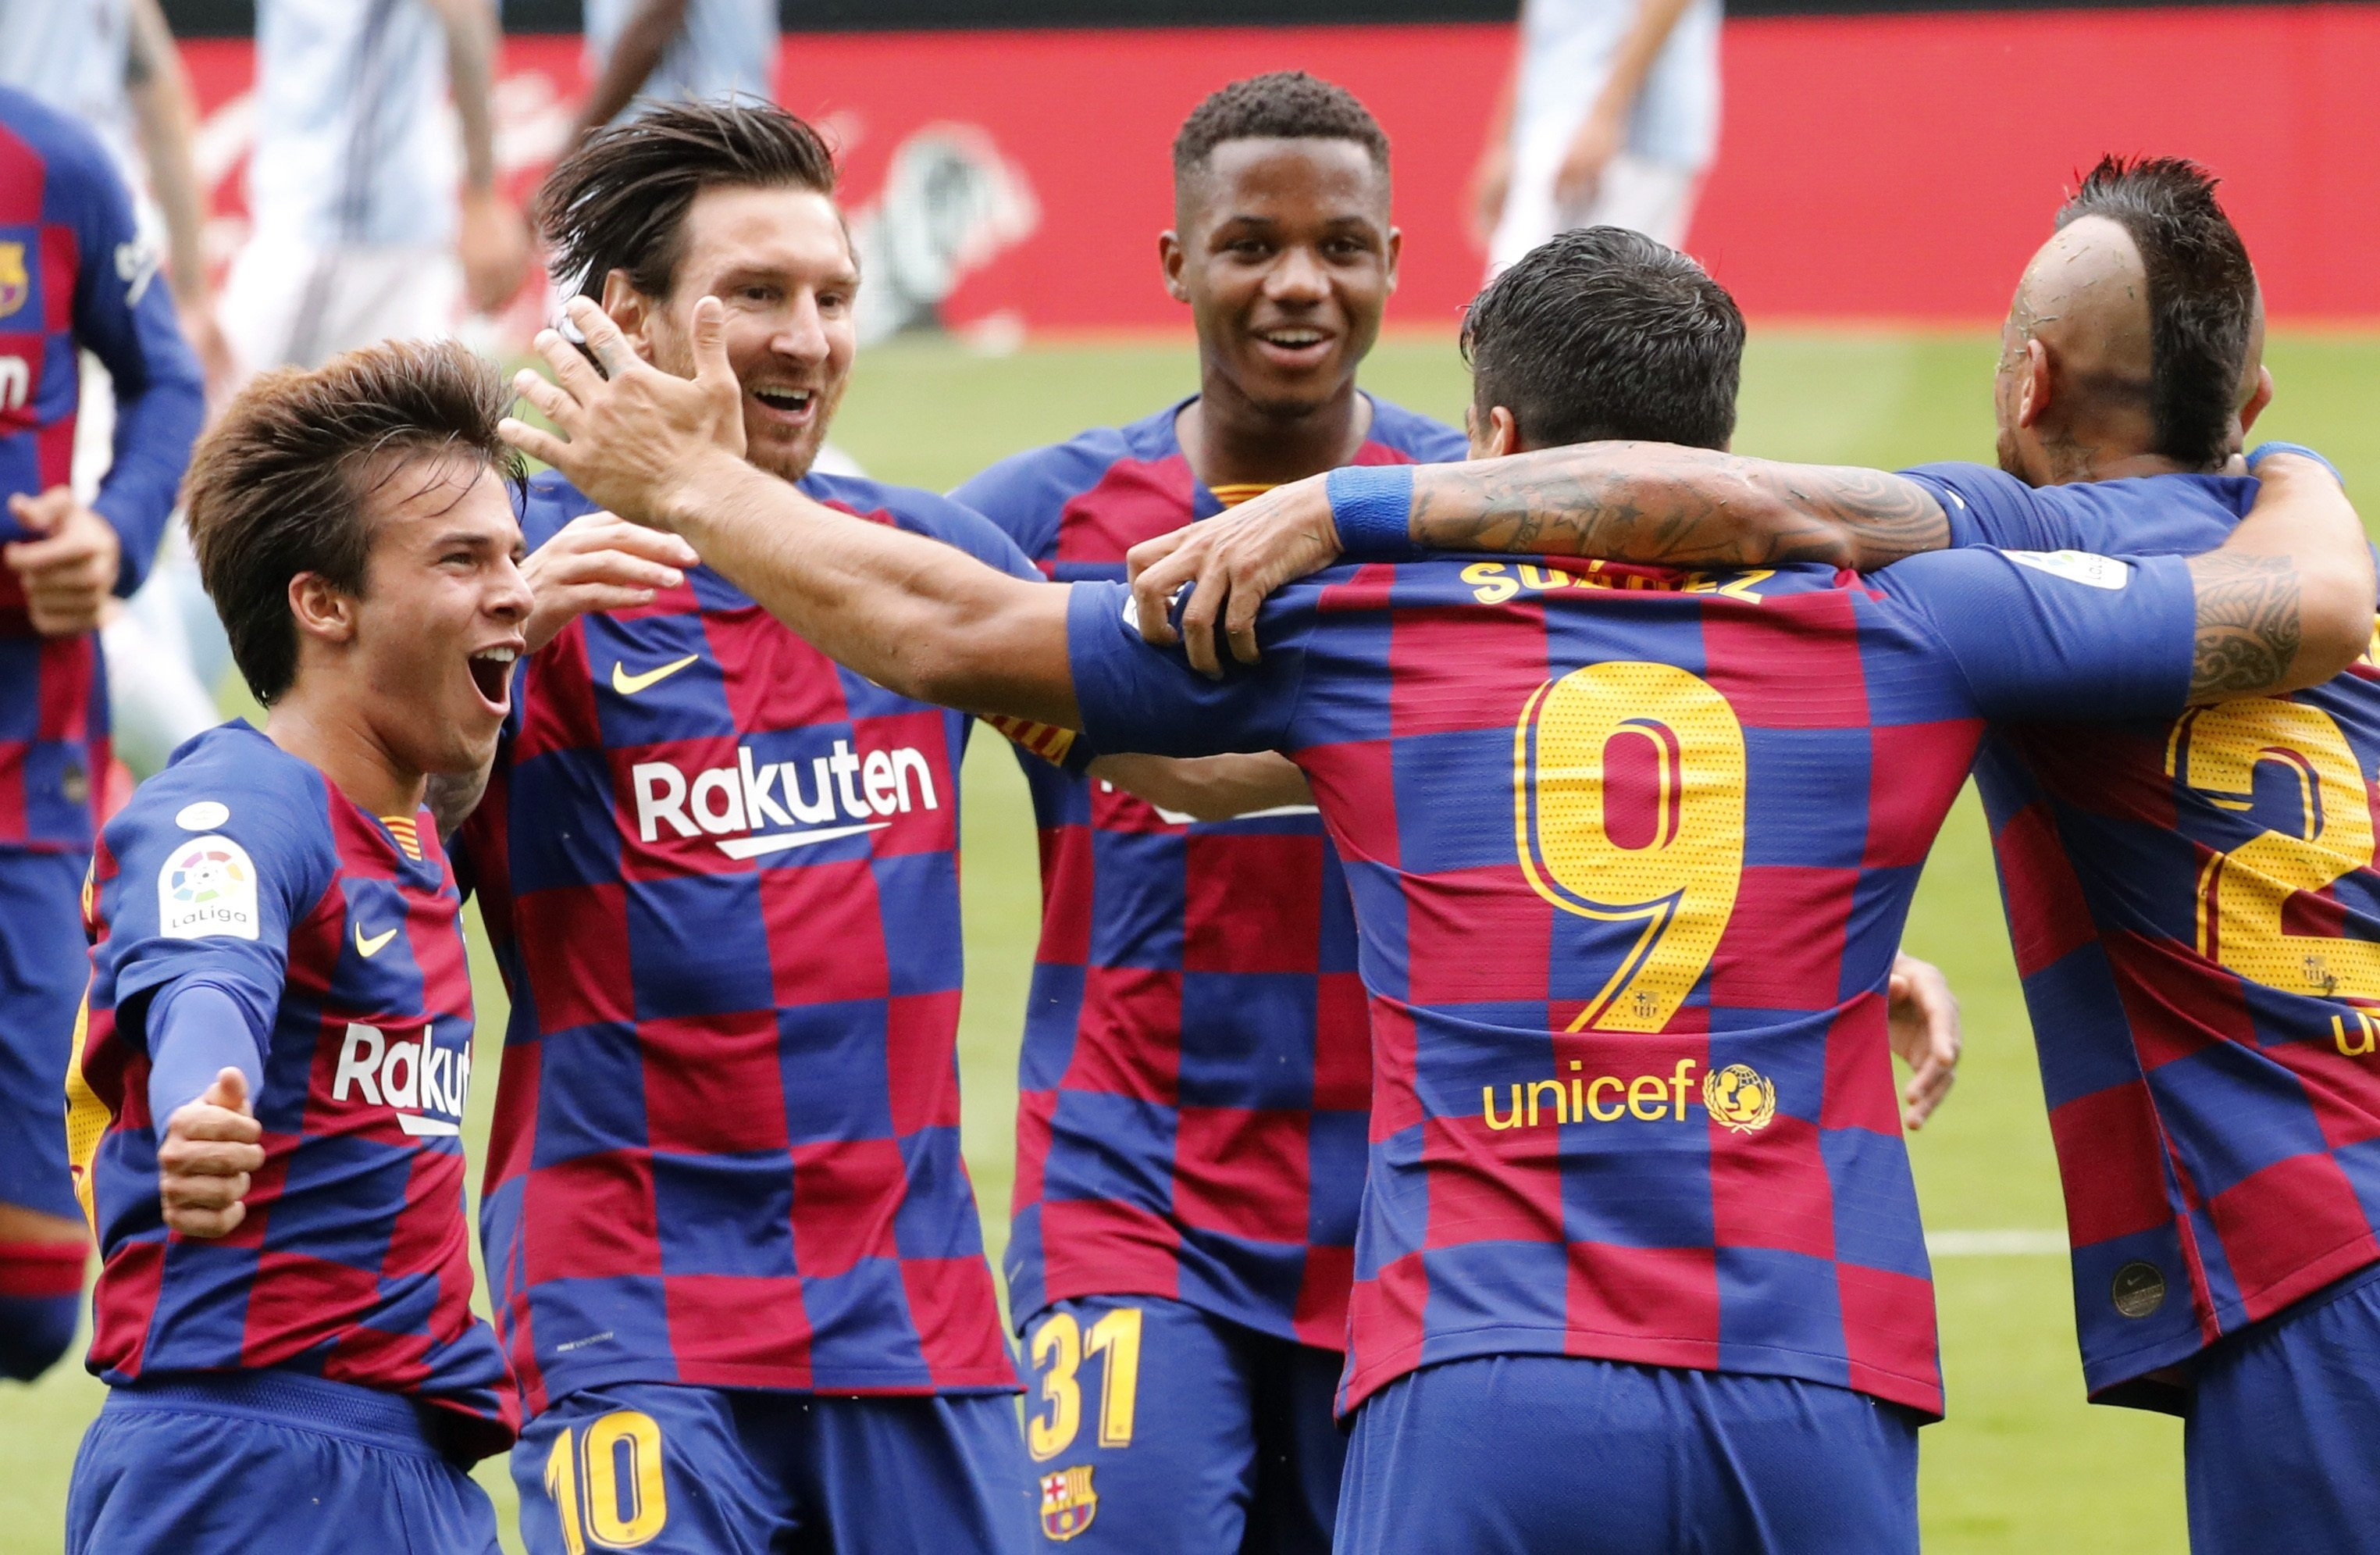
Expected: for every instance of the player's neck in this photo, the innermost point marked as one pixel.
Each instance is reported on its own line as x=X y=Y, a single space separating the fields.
x=328 y=733
x=1231 y=442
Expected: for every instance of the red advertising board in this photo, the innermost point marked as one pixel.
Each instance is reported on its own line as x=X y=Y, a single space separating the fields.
x=1881 y=166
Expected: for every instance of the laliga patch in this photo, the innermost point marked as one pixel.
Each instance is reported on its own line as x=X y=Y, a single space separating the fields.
x=207 y=890
x=1068 y=1502
x=2076 y=567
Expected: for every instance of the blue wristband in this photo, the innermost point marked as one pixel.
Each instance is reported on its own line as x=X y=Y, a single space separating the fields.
x=1372 y=505
x=2257 y=456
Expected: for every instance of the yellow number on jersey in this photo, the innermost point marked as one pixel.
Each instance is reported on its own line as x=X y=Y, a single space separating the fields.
x=1681 y=885
x=623 y=1511
x=2242 y=894
x=1059 y=1346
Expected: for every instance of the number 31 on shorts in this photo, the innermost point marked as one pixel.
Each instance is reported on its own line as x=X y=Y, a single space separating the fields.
x=606 y=1482
x=1059 y=1345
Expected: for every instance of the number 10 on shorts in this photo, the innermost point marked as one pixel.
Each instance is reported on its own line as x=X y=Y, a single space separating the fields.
x=606 y=1482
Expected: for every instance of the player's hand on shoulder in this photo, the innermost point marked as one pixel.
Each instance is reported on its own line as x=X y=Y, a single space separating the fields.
x=1924 y=1019
x=1230 y=563
x=631 y=437
x=69 y=572
x=204 y=1164
x=598 y=562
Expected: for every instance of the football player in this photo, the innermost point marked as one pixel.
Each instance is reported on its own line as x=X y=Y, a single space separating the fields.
x=265 y=1111
x=1639 y=1260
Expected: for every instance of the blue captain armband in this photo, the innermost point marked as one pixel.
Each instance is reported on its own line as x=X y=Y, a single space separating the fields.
x=2256 y=456
x=1372 y=507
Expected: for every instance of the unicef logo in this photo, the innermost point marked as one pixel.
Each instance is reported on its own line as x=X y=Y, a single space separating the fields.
x=205 y=874
x=1740 y=1097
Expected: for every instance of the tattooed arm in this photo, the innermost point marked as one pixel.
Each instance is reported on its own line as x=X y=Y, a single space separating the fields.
x=1624 y=502
x=2286 y=601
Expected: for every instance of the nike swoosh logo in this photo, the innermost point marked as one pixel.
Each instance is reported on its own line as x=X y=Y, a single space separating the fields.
x=368 y=945
x=629 y=685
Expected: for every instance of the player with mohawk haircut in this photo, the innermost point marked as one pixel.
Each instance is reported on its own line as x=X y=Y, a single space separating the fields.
x=1196 y=1059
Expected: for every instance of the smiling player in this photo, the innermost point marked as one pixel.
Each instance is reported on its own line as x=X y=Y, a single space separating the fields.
x=730 y=1234
x=1639 y=1244
x=264 y=1112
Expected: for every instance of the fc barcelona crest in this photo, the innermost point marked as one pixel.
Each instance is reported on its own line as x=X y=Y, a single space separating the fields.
x=15 y=285
x=1067 y=1502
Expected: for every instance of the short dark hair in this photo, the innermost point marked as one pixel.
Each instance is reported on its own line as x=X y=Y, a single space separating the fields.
x=2201 y=296
x=279 y=487
x=619 y=201
x=1282 y=104
x=1602 y=333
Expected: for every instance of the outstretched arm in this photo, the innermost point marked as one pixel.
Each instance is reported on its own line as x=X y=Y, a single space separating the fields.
x=913 y=615
x=1653 y=503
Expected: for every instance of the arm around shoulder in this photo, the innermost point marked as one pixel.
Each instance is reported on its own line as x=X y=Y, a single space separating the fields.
x=2288 y=600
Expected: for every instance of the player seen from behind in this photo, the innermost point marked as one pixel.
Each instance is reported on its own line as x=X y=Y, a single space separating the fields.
x=1637 y=1179
x=265 y=1111
x=2193 y=902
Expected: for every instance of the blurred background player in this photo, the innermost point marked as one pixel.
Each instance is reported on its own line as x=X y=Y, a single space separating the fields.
x=726 y=1219
x=360 y=234
x=1196 y=1060
x=2209 y=1075
x=267 y=1110
x=74 y=273
x=1710 y=1329
x=1609 y=117
x=113 y=65
x=677 y=51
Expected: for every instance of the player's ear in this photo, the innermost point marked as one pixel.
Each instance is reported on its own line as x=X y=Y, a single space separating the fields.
x=322 y=610
x=1396 y=247
x=1170 y=257
x=1493 y=432
x=2257 y=400
x=628 y=310
x=2034 y=384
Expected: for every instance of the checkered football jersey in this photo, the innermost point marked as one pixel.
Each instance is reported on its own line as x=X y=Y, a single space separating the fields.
x=1630 y=853
x=1196 y=1055
x=74 y=275
x=242 y=867
x=722 y=876
x=2195 y=914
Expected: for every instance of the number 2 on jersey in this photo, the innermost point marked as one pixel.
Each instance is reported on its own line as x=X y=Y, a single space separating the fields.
x=1680 y=880
x=1059 y=1347
x=615 y=1470
x=2242 y=894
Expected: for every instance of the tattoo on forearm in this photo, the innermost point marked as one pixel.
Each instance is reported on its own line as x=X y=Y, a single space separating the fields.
x=2249 y=623
x=1678 y=507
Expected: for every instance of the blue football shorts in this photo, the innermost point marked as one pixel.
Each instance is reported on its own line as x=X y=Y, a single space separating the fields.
x=1161 y=1429
x=672 y=1470
x=237 y=1463
x=1568 y=1455
x=2282 y=1441
x=44 y=965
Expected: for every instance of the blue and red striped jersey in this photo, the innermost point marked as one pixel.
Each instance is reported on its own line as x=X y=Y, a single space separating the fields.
x=1196 y=1057
x=339 y=933
x=74 y=276
x=2197 y=924
x=722 y=876
x=1630 y=852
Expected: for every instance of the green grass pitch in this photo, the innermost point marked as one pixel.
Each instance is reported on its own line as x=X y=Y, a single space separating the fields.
x=2022 y=1464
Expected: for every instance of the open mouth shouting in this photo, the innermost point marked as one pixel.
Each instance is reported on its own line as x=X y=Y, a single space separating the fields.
x=492 y=675
x=785 y=406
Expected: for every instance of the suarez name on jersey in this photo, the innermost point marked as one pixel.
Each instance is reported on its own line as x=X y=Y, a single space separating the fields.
x=2197 y=925
x=1630 y=852
x=242 y=867
x=721 y=875
x=1197 y=1058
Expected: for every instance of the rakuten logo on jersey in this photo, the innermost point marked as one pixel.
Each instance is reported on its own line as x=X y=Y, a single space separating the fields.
x=427 y=1084
x=775 y=806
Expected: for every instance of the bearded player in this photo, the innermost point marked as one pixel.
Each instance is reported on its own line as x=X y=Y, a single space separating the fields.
x=265 y=1111
x=733 y=1250
x=1638 y=1233
x=2190 y=902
